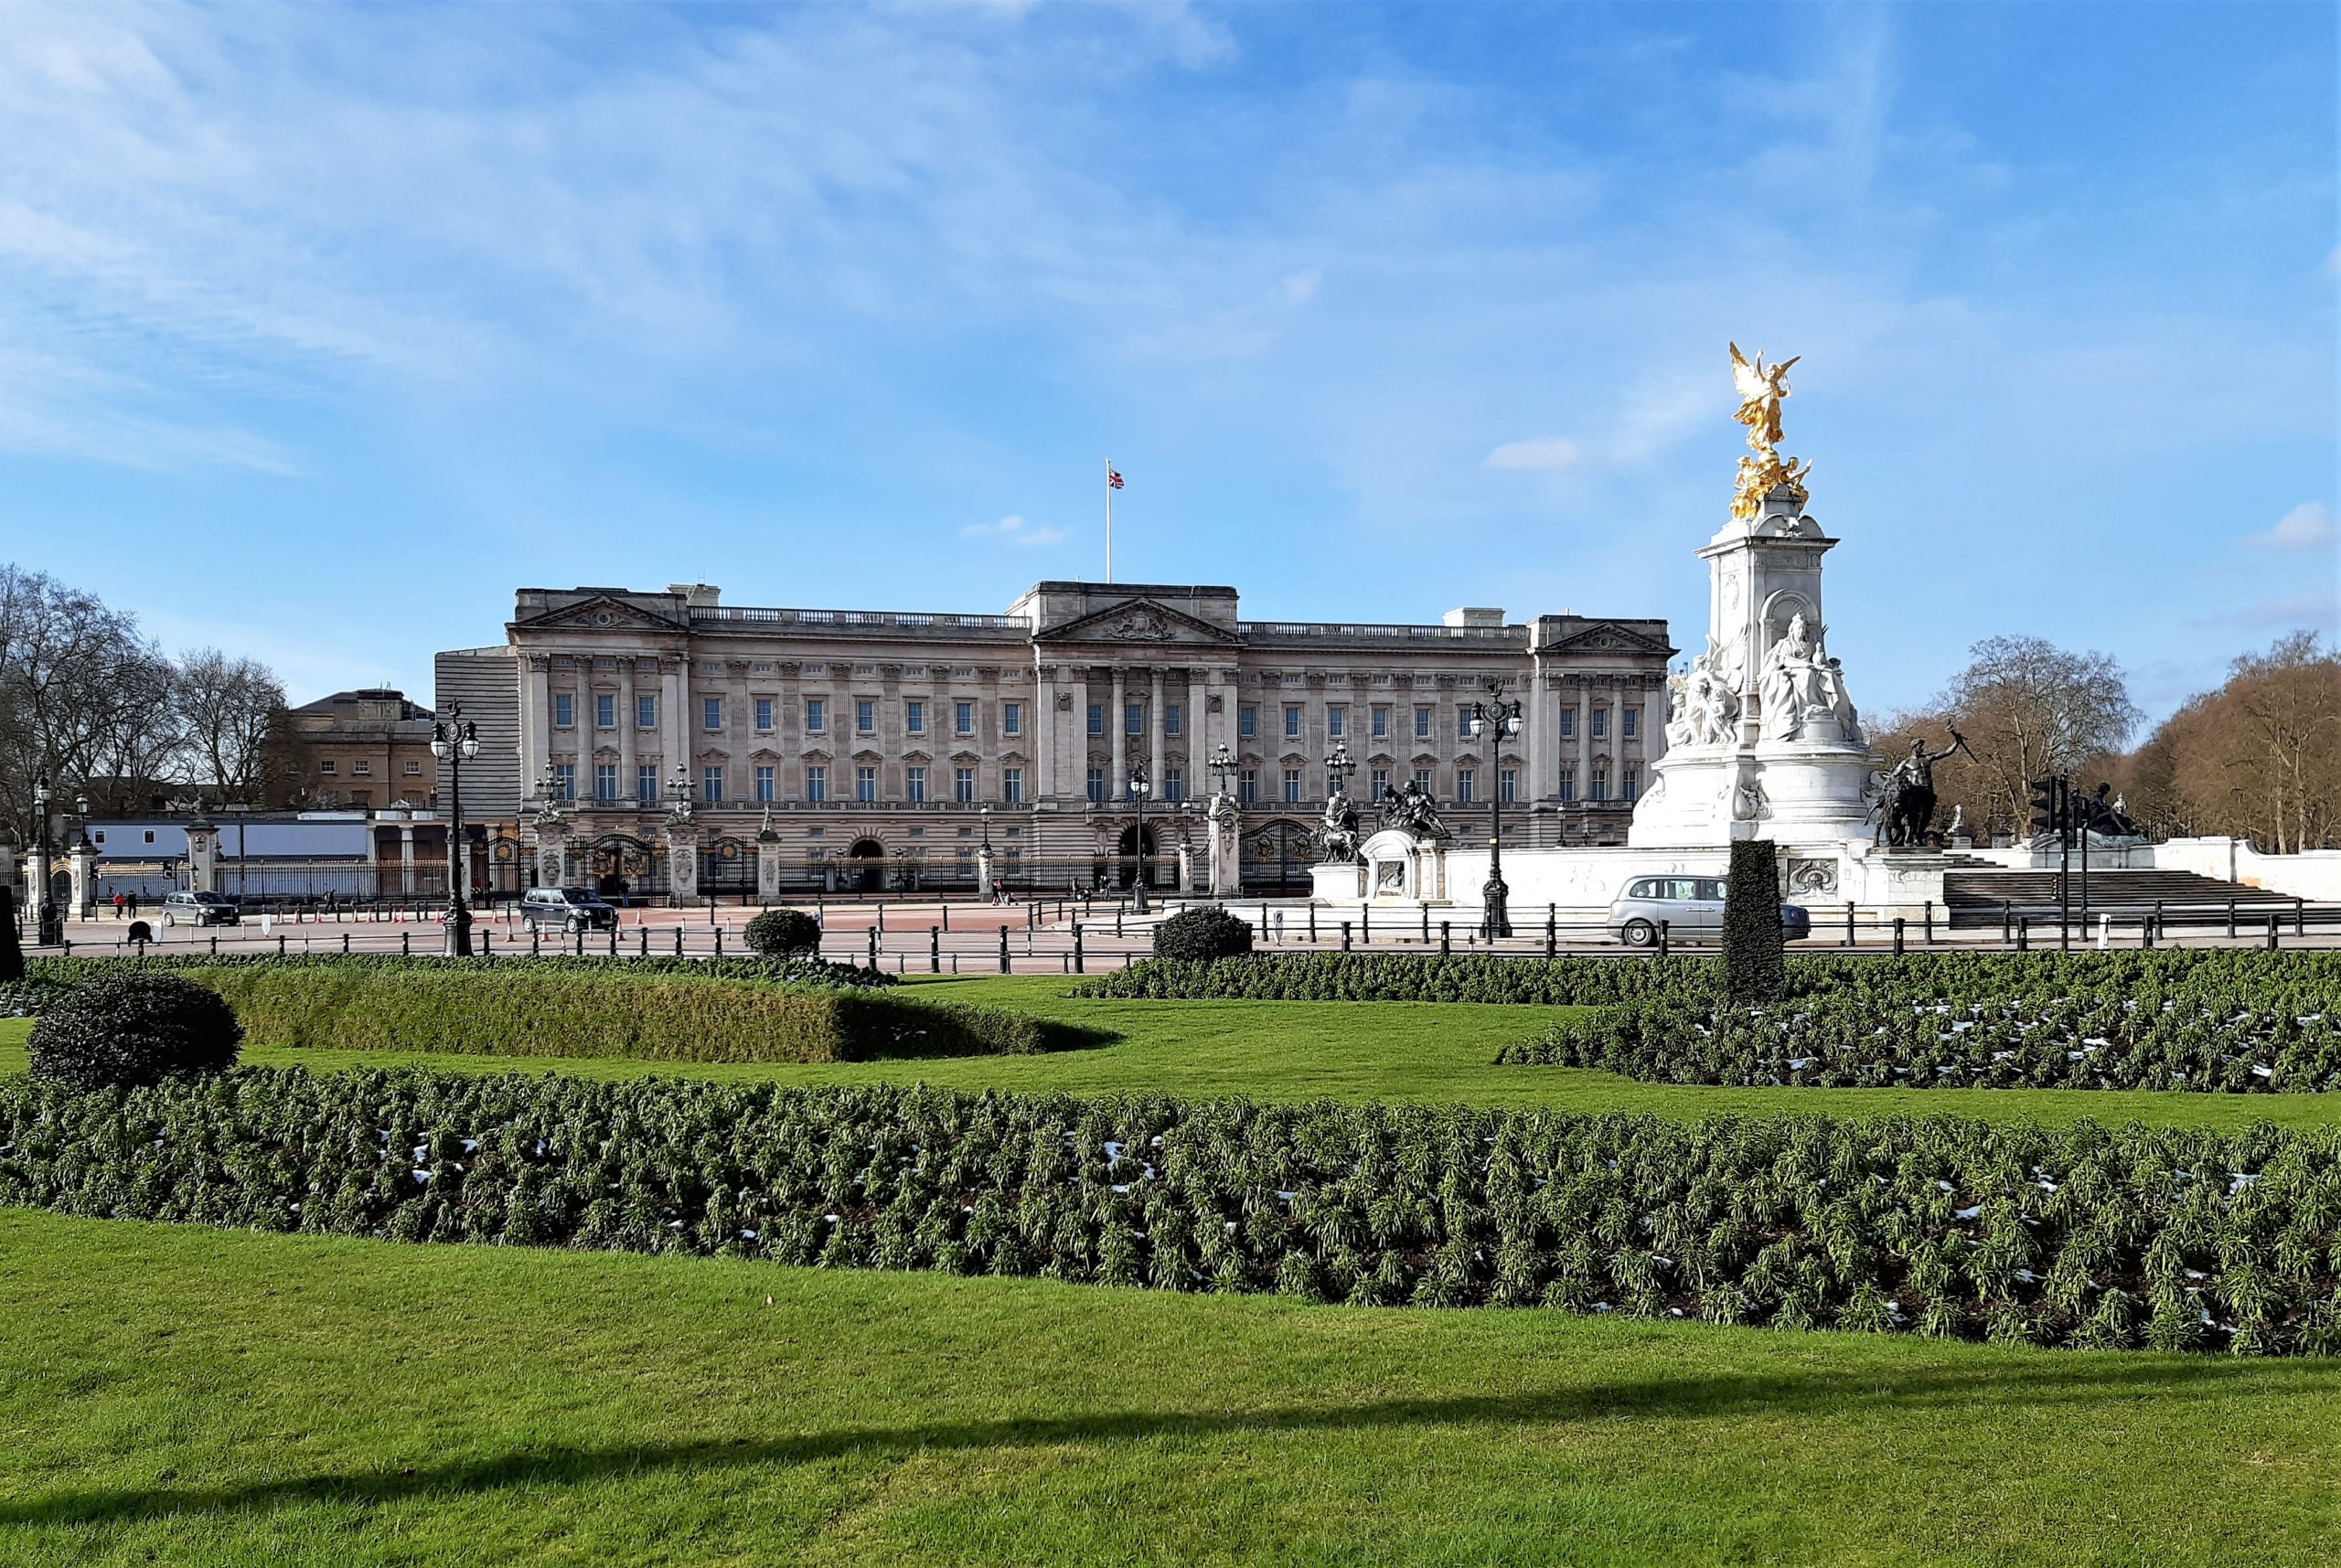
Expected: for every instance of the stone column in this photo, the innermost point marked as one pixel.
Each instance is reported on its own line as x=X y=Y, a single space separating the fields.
x=626 y=728
x=552 y=846
x=202 y=858
x=674 y=722
x=1583 y=738
x=406 y=857
x=682 y=860
x=1154 y=730
x=1117 y=729
x=768 y=861
x=1041 y=742
x=536 y=721
x=82 y=860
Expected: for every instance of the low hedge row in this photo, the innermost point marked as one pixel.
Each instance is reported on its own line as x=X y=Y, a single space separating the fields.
x=2302 y=981
x=2081 y=1236
x=48 y=978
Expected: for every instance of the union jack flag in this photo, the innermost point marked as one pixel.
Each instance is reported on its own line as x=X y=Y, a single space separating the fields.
x=1112 y=480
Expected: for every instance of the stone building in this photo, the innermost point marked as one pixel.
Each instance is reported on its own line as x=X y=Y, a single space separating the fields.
x=877 y=751
x=364 y=749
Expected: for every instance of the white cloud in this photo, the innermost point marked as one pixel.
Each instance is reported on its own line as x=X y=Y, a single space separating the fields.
x=1015 y=530
x=1543 y=454
x=2308 y=526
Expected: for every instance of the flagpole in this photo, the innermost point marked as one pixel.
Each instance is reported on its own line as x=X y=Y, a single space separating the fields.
x=1110 y=519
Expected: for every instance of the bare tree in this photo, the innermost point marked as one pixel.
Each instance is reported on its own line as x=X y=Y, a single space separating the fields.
x=2029 y=708
x=2259 y=758
x=229 y=707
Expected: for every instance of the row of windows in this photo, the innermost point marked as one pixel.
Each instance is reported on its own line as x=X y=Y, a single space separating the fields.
x=361 y=767
x=1378 y=721
x=816 y=714
x=714 y=787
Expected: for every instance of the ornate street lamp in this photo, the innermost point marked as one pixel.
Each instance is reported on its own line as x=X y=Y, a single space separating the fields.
x=1137 y=787
x=454 y=741
x=1338 y=768
x=1223 y=762
x=679 y=794
x=985 y=813
x=1498 y=721
x=49 y=923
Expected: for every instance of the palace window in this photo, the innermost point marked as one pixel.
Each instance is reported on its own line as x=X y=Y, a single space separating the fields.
x=1508 y=786
x=1422 y=780
x=646 y=713
x=605 y=781
x=963 y=785
x=1568 y=782
x=915 y=785
x=1170 y=719
x=1377 y=782
x=865 y=716
x=413 y=769
x=1174 y=784
x=1600 y=724
x=564 y=780
x=1096 y=785
x=1462 y=720
x=1633 y=782
x=963 y=718
x=1422 y=723
x=1134 y=719
x=1012 y=719
x=817 y=784
x=362 y=767
x=1248 y=786
x=1096 y=718
x=564 y=709
x=764 y=713
x=1600 y=784
x=1569 y=723
x=816 y=715
x=1248 y=722
x=710 y=713
x=1337 y=722
x=1381 y=724
x=711 y=785
x=606 y=709
x=1292 y=722
x=1292 y=786
x=913 y=716
x=1012 y=786
x=1465 y=780
x=645 y=783
x=1630 y=723
x=865 y=785
x=764 y=783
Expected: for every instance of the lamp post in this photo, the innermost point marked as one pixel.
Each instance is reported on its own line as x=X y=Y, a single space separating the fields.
x=1222 y=763
x=48 y=924
x=985 y=813
x=1497 y=720
x=1338 y=768
x=1137 y=788
x=454 y=741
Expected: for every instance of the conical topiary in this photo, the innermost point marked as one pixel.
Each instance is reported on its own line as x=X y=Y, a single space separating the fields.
x=1755 y=954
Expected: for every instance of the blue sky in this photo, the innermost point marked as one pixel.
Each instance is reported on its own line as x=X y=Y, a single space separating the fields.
x=322 y=329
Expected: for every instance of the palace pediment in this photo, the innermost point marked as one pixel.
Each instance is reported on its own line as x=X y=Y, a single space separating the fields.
x=602 y=612
x=1605 y=637
x=1140 y=620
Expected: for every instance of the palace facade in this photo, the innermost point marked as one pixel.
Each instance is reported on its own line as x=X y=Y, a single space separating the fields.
x=884 y=749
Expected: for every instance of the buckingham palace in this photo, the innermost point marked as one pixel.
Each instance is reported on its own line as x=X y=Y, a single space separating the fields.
x=1070 y=741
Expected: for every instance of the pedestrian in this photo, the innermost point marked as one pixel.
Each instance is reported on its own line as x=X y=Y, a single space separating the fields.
x=117 y=906
x=133 y=904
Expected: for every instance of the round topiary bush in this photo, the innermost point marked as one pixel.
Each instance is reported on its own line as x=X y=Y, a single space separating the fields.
x=1199 y=936
x=132 y=1029
x=783 y=933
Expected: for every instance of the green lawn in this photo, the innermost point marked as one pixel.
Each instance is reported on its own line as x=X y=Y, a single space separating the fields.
x=190 y=1395
x=1351 y=1050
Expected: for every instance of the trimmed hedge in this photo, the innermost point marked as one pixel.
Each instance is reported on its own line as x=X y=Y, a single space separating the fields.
x=130 y=1029
x=1401 y=977
x=2172 y=1238
x=783 y=933
x=1755 y=945
x=1203 y=935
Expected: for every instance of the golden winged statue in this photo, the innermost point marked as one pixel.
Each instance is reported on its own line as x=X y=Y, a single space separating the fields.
x=1762 y=389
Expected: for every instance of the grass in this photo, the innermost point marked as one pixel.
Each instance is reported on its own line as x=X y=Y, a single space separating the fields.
x=193 y=1396
x=1349 y=1051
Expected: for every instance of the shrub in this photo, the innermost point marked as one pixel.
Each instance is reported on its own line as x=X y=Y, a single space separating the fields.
x=1203 y=935
x=1755 y=950
x=135 y=1029
x=783 y=933
x=1913 y=1224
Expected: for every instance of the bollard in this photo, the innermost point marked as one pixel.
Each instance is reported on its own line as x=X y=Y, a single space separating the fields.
x=1264 y=917
x=2024 y=934
x=2230 y=920
x=1312 y=923
x=1849 y=922
x=402 y=943
x=873 y=947
x=345 y=942
x=678 y=940
x=2146 y=924
x=2300 y=918
x=580 y=941
x=614 y=942
x=487 y=944
x=946 y=904
x=2007 y=913
x=1930 y=922
x=1552 y=933
x=1077 y=948
x=1029 y=910
x=1365 y=925
x=536 y=940
x=934 y=950
x=881 y=914
x=1345 y=936
x=1664 y=928
x=642 y=942
x=1118 y=923
x=1897 y=936
x=215 y=941
x=2271 y=933
x=2157 y=920
x=1446 y=933
x=718 y=942
x=1003 y=950
x=1424 y=911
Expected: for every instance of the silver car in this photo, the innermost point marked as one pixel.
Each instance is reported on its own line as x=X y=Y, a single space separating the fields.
x=1692 y=908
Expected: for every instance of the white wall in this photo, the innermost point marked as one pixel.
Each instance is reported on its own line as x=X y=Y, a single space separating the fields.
x=2315 y=875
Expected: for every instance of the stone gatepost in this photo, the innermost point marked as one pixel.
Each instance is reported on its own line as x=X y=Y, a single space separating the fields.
x=202 y=858
x=83 y=857
x=767 y=861
x=1226 y=874
x=552 y=851
x=682 y=860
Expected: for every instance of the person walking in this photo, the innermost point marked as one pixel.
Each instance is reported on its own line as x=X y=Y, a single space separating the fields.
x=117 y=906
x=133 y=904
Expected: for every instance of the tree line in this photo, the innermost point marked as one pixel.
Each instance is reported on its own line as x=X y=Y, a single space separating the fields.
x=93 y=702
x=2257 y=758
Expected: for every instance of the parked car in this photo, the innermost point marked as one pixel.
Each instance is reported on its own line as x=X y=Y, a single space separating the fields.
x=571 y=909
x=1692 y=908
x=199 y=908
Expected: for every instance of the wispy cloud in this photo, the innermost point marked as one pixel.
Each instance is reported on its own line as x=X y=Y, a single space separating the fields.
x=1015 y=530
x=1542 y=454
x=2308 y=526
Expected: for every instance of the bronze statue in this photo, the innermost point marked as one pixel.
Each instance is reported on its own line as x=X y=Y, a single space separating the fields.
x=1337 y=835
x=1411 y=807
x=1906 y=808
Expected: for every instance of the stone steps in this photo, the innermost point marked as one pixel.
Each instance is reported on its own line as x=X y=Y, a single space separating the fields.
x=1974 y=897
